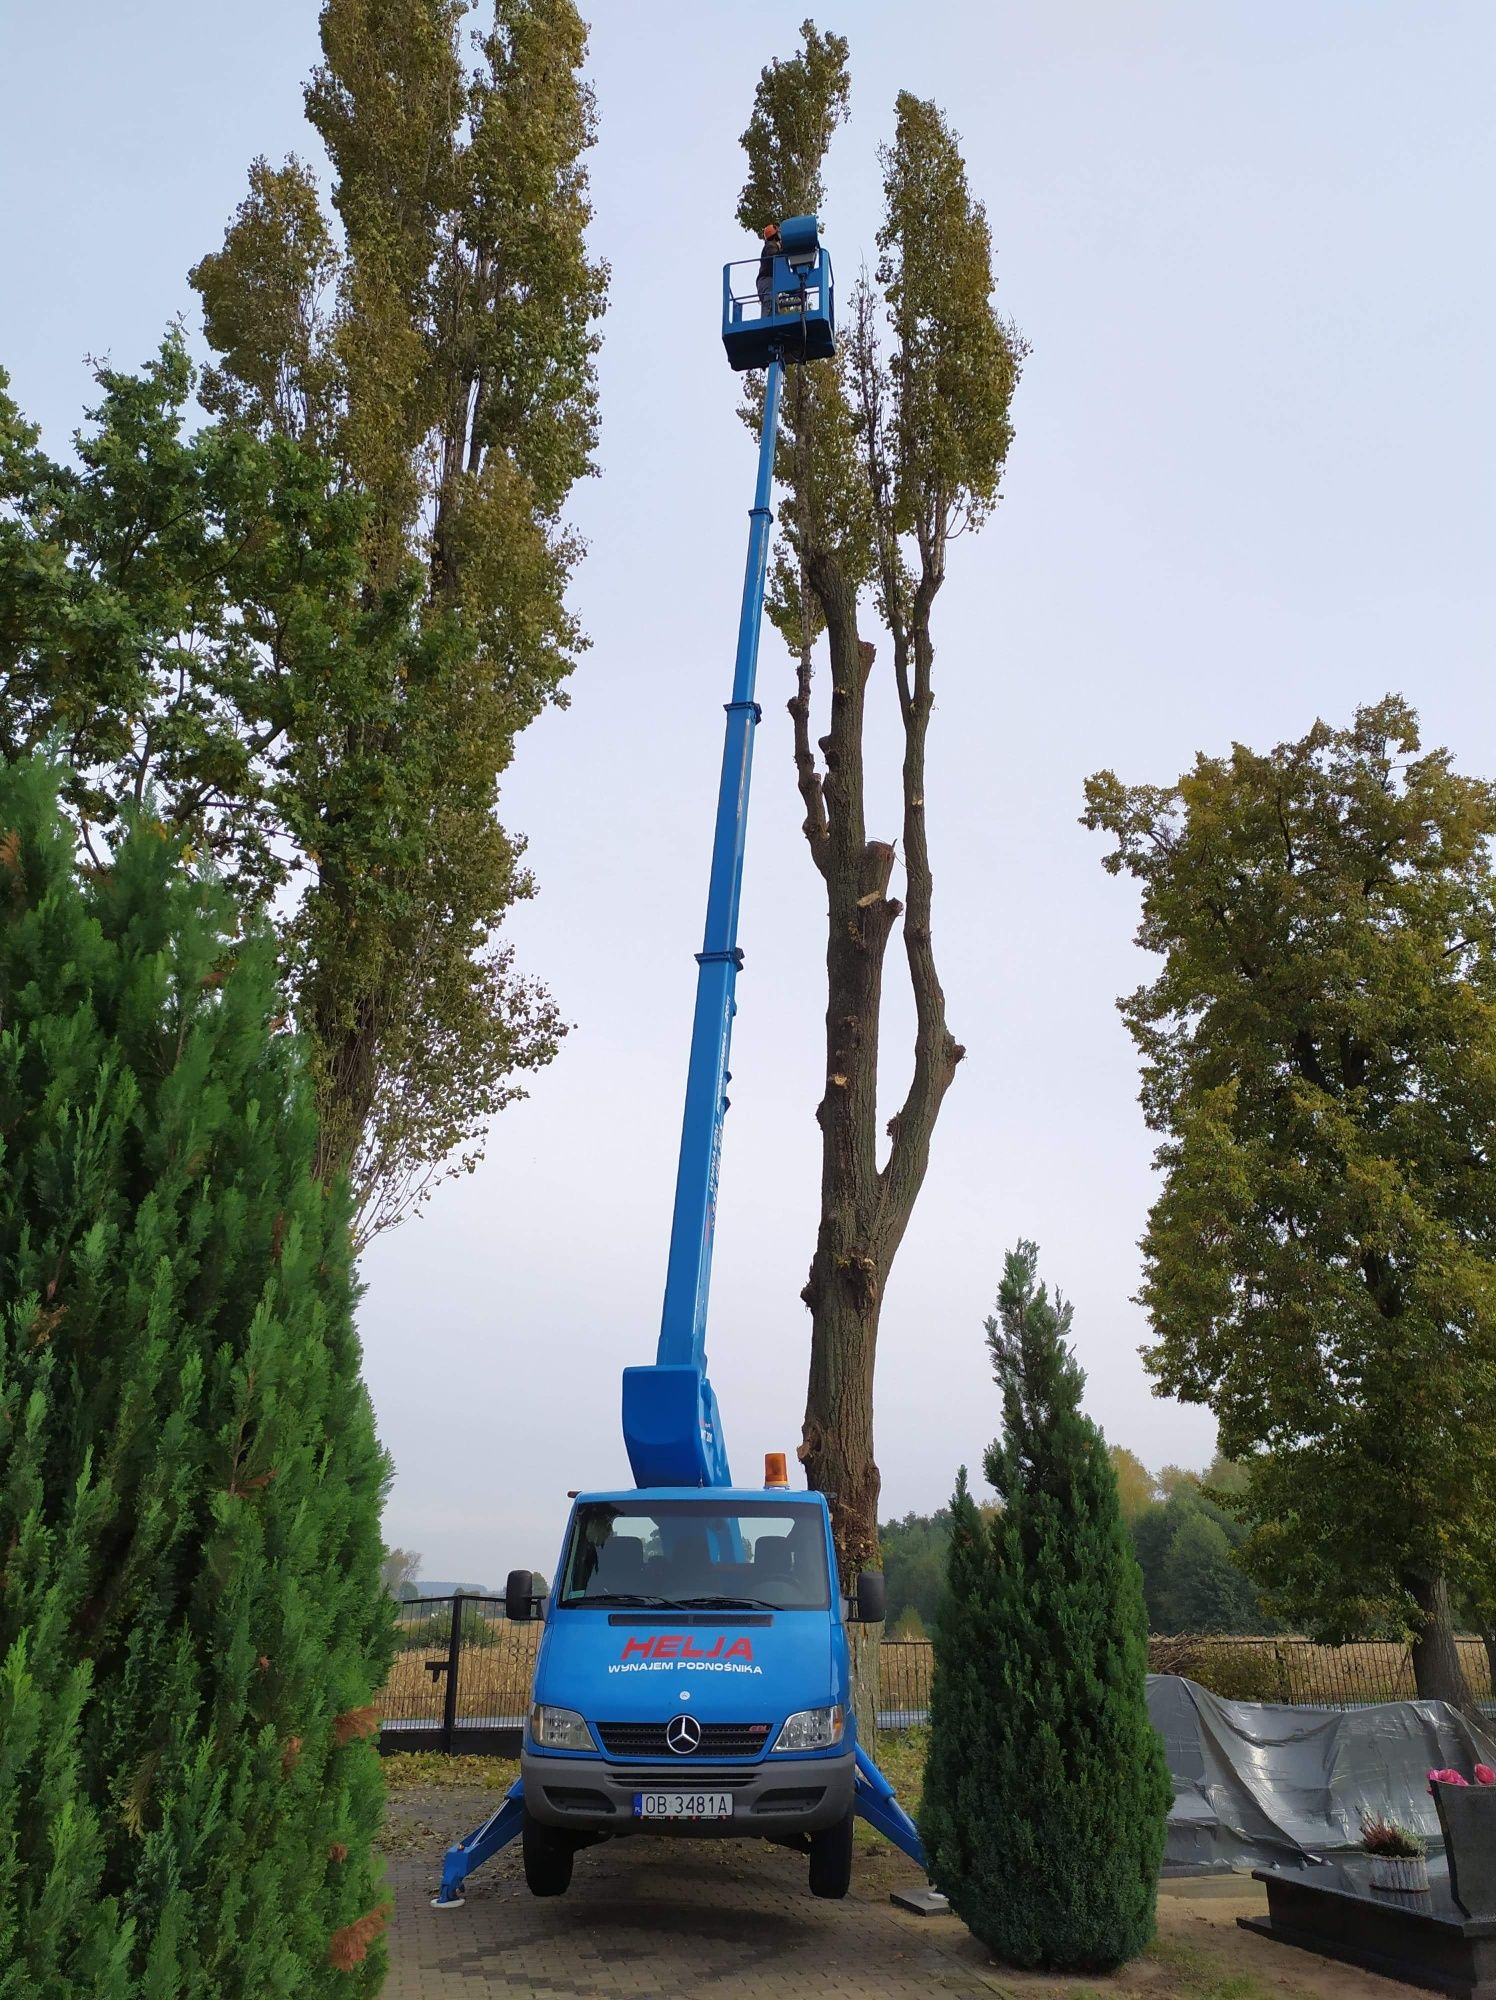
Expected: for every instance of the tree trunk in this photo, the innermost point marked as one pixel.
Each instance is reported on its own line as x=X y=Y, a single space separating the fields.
x=837 y=1445
x=865 y=1643
x=1438 y=1674
x=845 y=1288
x=865 y=1209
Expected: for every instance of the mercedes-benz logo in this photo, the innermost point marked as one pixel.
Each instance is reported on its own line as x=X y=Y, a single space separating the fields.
x=683 y=1734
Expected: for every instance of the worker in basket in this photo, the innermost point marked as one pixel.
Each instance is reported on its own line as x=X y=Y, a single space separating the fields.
x=770 y=251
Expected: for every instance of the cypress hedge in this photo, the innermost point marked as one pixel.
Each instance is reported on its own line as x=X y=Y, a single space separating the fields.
x=1046 y=1788
x=191 y=1617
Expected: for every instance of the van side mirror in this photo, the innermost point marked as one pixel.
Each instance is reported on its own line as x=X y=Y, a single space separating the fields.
x=872 y=1597
x=519 y=1595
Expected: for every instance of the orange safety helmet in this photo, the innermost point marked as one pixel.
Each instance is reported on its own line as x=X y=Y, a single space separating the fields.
x=772 y=230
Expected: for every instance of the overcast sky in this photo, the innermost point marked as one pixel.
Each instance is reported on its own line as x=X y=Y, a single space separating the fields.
x=1252 y=483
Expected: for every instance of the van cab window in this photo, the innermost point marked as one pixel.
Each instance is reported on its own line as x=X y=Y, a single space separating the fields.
x=683 y=1555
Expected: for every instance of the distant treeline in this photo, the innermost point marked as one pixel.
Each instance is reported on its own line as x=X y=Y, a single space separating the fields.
x=1184 y=1540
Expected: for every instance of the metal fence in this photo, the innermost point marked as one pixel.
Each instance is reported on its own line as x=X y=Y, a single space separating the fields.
x=1298 y=1671
x=906 y=1668
x=461 y=1678
x=1290 y=1670
x=461 y=1683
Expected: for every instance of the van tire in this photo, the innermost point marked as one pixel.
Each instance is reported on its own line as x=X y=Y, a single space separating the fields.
x=831 y=1859
x=548 y=1854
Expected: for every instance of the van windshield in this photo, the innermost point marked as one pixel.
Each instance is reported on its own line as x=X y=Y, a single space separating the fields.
x=686 y=1555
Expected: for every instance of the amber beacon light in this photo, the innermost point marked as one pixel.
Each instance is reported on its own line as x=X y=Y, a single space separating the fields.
x=774 y=1470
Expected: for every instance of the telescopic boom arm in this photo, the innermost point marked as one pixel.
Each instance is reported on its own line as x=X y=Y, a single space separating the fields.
x=671 y=1423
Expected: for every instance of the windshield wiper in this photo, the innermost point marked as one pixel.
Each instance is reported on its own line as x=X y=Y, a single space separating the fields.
x=616 y=1598
x=623 y=1597
x=727 y=1604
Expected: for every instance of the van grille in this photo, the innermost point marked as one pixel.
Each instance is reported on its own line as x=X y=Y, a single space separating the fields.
x=718 y=1739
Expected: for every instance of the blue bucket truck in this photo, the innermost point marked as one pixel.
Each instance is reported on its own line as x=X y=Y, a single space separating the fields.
x=693 y=1673
x=693 y=1677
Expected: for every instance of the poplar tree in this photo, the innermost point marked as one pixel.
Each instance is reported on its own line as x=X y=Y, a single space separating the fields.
x=887 y=454
x=317 y=630
x=192 y=1624
x=441 y=352
x=1046 y=1789
x=1320 y=1264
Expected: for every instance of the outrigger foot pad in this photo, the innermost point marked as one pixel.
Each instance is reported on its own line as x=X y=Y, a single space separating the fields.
x=921 y=1902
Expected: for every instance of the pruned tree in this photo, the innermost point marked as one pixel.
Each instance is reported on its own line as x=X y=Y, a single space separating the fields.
x=887 y=455
x=1320 y=1265
x=315 y=632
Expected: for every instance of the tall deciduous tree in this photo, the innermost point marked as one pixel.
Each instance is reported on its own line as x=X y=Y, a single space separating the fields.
x=1186 y=1548
x=421 y=383
x=887 y=454
x=442 y=355
x=914 y=1558
x=1046 y=1786
x=1136 y=1485
x=399 y=1570
x=192 y=1624
x=1319 y=1059
x=187 y=617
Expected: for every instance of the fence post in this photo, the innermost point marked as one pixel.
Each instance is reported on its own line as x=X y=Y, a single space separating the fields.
x=449 y=1693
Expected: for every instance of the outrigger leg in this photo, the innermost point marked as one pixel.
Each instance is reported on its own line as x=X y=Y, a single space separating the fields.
x=874 y=1799
x=496 y=1831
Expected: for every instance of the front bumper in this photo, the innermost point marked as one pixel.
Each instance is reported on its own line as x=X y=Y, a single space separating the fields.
x=782 y=1795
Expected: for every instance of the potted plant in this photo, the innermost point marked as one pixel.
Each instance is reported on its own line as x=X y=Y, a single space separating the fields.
x=1399 y=1859
x=1467 y=1813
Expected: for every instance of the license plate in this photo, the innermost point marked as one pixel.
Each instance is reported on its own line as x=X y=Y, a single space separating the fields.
x=683 y=1805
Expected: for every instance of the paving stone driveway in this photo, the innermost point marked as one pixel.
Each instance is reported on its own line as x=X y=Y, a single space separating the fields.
x=696 y=1920
x=675 y=1920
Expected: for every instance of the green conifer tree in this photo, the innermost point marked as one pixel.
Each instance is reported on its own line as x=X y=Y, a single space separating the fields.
x=191 y=1617
x=1046 y=1789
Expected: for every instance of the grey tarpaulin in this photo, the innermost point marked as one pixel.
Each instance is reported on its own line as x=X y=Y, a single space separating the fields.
x=1261 y=1783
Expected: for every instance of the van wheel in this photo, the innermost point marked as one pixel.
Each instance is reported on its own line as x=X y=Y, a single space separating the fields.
x=548 y=1856
x=831 y=1859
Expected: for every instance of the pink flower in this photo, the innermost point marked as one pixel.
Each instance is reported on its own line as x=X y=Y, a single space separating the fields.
x=1484 y=1775
x=1447 y=1777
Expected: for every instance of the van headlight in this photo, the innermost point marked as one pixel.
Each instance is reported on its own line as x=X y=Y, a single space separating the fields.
x=812 y=1729
x=558 y=1729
